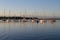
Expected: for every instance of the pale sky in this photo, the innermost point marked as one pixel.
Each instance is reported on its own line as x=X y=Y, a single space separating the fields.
x=30 y=7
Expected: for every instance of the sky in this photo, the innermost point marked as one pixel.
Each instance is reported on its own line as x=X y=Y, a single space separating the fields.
x=30 y=8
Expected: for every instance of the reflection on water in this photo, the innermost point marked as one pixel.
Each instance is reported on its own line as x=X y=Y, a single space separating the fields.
x=29 y=31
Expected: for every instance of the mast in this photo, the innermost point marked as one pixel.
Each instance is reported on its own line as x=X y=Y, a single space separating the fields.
x=4 y=12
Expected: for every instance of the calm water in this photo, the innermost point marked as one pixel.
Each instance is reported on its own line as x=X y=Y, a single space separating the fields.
x=29 y=31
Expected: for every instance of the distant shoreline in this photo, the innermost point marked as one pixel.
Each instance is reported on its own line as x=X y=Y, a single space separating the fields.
x=17 y=17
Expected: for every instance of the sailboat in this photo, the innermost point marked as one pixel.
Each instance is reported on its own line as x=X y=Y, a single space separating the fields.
x=42 y=20
x=52 y=19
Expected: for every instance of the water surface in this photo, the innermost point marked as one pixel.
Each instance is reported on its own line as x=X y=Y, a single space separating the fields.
x=29 y=31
